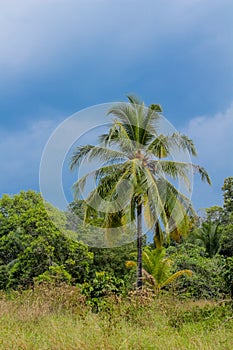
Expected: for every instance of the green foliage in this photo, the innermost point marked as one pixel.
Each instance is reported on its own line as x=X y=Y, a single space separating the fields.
x=87 y=230
x=34 y=250
x=31 y=244
x=112 y=260
x=13 y=208
x=209 y=234
x=215 y=231
x=207 y=280
x=102 y=285
x=74 y=256
x=33 y=261
x=157 y=268
x=228 y=274
x=11 y=245
x=214 y=214
x=228 y=199
x=226 y=248
x=54 y=275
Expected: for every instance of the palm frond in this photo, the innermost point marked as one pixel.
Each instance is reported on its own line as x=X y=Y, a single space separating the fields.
x=111 y=137
x=148 y=126
x=177 y=208
x=106 y=154
x=123 y=140
x=156 y=107
x=204 y=175
x=79 y=154
x=182 y=169
x=176 y=194
x=79 y=185
x=111 y=195
x=160 y=146
x=175 y=170
x=126 y=116
x=184 y=142
x=156 y=196
x=109 y=170
x=134 y=100
x=149 y=219
x=149 y=260
x=159 y=235
x=91 y=153
x=172 y=278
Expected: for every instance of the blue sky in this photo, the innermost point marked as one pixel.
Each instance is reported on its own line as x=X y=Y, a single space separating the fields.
x=60 y=56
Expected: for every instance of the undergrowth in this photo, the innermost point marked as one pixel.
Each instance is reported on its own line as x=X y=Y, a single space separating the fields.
x=60 y=318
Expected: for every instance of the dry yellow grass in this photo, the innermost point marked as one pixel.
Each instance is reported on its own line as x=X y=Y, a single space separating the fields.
x=58 y=319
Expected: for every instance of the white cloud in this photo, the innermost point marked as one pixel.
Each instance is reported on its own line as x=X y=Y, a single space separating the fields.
x=35 y=32
x=213 y=138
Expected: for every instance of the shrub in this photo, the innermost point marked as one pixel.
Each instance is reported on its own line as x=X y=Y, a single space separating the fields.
x=208 y=273
x=101 y=286
x=228 y=275
x=54 y=275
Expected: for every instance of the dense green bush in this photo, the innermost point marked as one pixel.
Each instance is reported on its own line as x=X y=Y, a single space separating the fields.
x=102 y=285
x=113 y=259
x=207 y=280
x=54 y=275
x=226 y=248
x=31 y=245
x=228 y=275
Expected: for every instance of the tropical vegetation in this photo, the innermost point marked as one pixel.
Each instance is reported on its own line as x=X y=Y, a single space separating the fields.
x=58 y=291
x=134 y=151
x=157 y=268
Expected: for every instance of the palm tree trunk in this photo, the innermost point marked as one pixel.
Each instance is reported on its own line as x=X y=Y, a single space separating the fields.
x=139 y=246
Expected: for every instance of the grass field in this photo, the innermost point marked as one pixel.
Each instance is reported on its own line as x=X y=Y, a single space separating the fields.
x=58 y=319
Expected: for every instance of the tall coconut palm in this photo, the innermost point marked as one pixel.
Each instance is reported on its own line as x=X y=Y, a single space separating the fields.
x=135 y=152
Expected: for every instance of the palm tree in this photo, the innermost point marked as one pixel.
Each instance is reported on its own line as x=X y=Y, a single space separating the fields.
x=209 y=235
x=157 y=268
x=134 y=151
